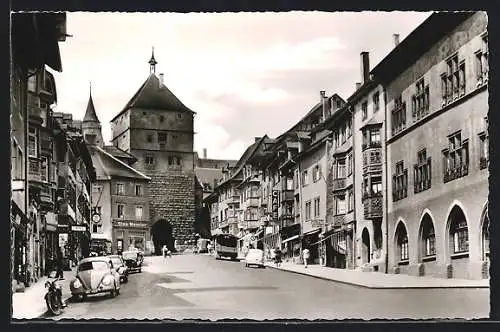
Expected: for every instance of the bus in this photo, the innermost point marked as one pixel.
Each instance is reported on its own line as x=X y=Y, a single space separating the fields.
x=202 y=246
x=225 y=245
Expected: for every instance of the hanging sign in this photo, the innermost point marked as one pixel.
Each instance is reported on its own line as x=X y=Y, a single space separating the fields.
x=275 y=204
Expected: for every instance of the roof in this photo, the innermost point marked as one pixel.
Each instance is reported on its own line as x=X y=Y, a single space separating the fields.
x=108 y=167
x=118 y=153
x=151 y=96
x=417 y=43
x=372 y=122
x=90 y=114
x=208 y=175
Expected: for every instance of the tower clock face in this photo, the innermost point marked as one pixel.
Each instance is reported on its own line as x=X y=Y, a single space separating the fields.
x=96 y=218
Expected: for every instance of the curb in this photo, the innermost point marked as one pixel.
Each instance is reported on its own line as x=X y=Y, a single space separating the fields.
x=378 y=287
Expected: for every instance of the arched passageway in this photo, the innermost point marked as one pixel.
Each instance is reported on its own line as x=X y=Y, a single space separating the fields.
x=365 y=249
x=161 y=233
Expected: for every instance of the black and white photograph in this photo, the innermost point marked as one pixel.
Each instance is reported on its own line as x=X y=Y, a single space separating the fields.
x=249 y=165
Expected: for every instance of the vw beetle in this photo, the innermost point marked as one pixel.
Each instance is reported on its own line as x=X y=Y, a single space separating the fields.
x=95 y=275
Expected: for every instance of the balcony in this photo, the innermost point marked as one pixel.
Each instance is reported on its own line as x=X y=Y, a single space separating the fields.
x=343 y=219
x=252 y=202
x=34 y=169
x=46 y=198
x=456 y=173
x=339 y=184
x=372 y=160
x=45 y=143
x=373 y=206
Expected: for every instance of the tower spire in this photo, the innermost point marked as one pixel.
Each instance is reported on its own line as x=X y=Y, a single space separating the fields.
x=152 y=62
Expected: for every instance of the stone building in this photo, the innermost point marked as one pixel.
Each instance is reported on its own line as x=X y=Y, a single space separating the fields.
x=367 y=105
x=437 y=147
x=157 y=129
x=120 y=200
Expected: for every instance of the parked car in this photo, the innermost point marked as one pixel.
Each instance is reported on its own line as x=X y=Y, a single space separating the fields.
x=254 y=257
x=120 y=267
x=133 y=260
x=95 y=275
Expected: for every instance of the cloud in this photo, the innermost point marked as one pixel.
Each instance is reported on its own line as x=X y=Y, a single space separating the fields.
x=244 y=74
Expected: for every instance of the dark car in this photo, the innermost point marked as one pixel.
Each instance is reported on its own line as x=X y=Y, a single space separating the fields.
x=133 y=260
x=120 y=267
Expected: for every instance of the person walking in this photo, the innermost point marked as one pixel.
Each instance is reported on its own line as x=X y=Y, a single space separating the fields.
x=164 y=252
x=305 y=256
x=277 y=257
x=59 y=265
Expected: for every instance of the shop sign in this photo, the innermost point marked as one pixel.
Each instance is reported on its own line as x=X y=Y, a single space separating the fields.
x=129 y=224
x=78 y=228
x=63 y=239
x=275 y=204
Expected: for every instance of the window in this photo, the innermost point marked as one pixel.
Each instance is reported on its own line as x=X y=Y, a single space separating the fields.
x=400 y=182
x=295 y=179
x=428 y=238
x=376 y=188
x=336 y=138
x=44 y=168
x=179 y=115
x=138 y=190
x=162 y=118
x=316 y=207
x=32 y=82
x=96 y=228
x=398 y=116
x=349 y=127
x=402 y=241
x=375 y=137
x=482 y=62
x=162 y=137
x=422 y=172
x=349 y=164
x=316 y=173
x=305 y=178
x=420 y=101
x=138 y=212
x=350 y=200
x=308 y=210
x=119 y=211
x=170 y=160
x=150 y=138
x=33 y=142
x=341 y=204
x=376 y=102
x=341 y=168
x=364 y=110
x=120 y=189
x=453 y=80
x=459 y=237
x=149 y=160
x=455 y=158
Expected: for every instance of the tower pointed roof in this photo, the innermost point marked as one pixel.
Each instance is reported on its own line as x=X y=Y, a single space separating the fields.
x=90 y=114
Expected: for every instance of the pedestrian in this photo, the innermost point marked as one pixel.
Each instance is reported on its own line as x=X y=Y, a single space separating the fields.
x=164 y=252
x=59 y=264
x=305 y=256
x=277 y=257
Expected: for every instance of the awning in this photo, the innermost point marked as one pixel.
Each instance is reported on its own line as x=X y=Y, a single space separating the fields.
x=314 y=231
x=290 y=239
x=257 y=235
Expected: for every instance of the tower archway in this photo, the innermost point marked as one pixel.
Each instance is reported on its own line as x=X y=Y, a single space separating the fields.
x=161 y=233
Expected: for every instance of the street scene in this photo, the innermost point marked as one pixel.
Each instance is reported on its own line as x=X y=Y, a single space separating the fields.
x=232 y=165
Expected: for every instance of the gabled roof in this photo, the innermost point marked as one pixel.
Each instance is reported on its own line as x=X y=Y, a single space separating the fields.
x=151 y=96
x=118 y=153
x=208 y=175
x=90 y=114
x=108 y=167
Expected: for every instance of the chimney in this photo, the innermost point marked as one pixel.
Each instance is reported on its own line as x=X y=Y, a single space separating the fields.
x=161 y=80
x=358 y=85
x=257 y=139
x=323 y=105
x=365 y=66
x=396 y=39
x=204 y=153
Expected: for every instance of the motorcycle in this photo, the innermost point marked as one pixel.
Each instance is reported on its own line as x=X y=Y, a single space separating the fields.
x=53 y=298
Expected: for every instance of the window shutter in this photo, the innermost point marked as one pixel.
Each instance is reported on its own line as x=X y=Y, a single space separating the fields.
x=415 y=179
x=394 y=188
x=429 y=172
x=405 y=183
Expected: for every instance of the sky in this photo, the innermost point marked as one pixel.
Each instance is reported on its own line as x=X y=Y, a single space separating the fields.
x=244 y=74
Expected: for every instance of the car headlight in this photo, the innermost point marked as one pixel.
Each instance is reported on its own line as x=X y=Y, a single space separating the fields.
x=77 y=283
x=107 y=280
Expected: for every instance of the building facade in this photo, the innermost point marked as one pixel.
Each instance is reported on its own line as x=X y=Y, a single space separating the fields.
x=437 y=106
x=157 y=129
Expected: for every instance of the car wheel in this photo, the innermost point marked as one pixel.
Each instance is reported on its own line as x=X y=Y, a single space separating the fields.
x=246 y=265
x=125 y=280
x=80 y=297
x=140 y=270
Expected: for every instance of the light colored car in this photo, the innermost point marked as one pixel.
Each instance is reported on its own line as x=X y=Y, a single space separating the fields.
x=254 y=257
x=95 y=275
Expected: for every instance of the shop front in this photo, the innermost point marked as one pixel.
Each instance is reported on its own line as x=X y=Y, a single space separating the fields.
x=18 y=234
x=130 y=235
x=311 y=240
x=51 y=242
x=290 y=236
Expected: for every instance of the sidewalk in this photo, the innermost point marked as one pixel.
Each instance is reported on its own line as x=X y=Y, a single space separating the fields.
x=377 y=280
x=30 y=304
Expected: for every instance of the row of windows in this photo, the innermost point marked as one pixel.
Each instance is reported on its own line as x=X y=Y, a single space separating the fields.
x=316 y=208
x=149 y=160
x=120 y=211
x=453 y=83
x=161 y=138
x=376 y=105
x=455 y=165
x=120 y=189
